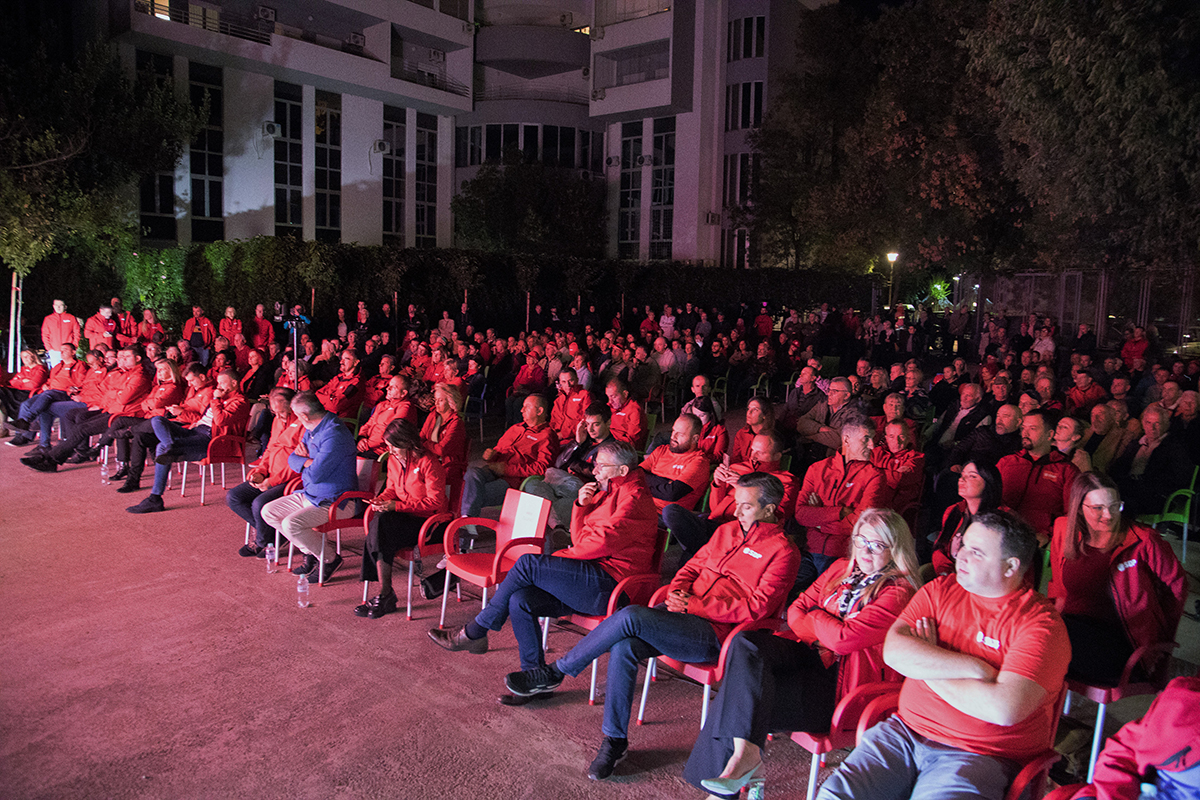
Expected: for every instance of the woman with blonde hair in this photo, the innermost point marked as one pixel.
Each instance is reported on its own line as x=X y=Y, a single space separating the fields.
x=833 y=642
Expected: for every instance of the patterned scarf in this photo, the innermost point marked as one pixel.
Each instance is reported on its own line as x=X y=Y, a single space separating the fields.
x=852 y=588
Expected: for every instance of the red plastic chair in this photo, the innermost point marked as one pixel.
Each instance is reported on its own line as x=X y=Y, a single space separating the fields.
x=708 y=674
x=408 y=552
x=1034 y=770
x=1126 y=687
x=637 y=588
x=520 y=530
x=228 y=449
x=338 y=519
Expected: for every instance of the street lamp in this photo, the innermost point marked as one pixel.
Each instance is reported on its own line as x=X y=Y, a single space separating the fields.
x=892 y=281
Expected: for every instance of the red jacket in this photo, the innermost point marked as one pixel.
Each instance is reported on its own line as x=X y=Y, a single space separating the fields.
x=127 y=328
x=854 y=486
x=229 y=415
x=720 y=499
x=91 y=391
x=62 y=378
x=1163 y=740
x=855 y=640
x=99 y=330
x=690 y=467
x=262 y=333
x=161 y=396
x=60 y=329
x=342 y=395
x=568 y=411
x=126 y=391
x=419 y=487
x=208 y=333
x=739 y=576
x=714 y=442
x=286 y=433
x=381 y=417
x=526 y=451
x=1039 y=490
x=905 y=475
x=375 y=390
x=1147 y=583
x=451 y=446
x=739 y=451
x=1078 y=400
x=618 y=530
x=629 y=424
x=29 y=379
x=195 y=404
x=229 y=328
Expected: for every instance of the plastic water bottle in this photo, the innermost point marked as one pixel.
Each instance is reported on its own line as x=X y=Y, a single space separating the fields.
x=104 y=473
x=756 y=789
x=272 y=559
x=302 y=592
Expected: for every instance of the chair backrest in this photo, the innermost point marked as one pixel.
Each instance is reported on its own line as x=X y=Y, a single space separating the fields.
x=227 y=448
x=523 y=516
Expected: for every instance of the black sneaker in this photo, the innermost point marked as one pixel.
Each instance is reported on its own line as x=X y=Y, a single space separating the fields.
x=310 y=563
x=20 y=440
x=612 y=752
x=133 y=483
x=40 y=463
x=534 y=681
x=81 y=457
x=252 y=551
x=152 y=503
x=121 y=474
x=19 y=424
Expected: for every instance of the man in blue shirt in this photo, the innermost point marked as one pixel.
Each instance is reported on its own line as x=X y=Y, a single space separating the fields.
x=325 y=460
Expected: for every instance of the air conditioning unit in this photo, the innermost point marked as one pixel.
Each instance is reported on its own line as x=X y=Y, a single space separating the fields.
x=645 y=160
x=586 y=174
x=437 y=56
x=265 y=13
x=468 y=27
x=356 y=40
x=713 y=218
x=596 y=33
x=566 y=19
x=272 y=129
x=587 y=72
x=612 y=161
x=597 y=94
x=380 y=146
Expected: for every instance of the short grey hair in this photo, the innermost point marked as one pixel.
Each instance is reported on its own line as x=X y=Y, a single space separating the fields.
x=306 y=403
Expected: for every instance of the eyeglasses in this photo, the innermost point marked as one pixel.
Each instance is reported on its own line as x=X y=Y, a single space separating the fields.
x=1113 y=508
x=605 y=464
x=874 y=548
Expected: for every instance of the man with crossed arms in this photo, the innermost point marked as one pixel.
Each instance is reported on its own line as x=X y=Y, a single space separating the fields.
x=984 y=657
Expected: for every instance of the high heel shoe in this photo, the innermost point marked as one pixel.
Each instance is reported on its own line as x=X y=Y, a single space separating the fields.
x=730 y=786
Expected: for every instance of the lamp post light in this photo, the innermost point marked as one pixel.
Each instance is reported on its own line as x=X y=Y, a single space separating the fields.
x=891 y=257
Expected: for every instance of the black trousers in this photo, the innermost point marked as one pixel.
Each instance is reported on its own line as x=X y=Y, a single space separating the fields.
x=1099 y=650
x=390 y=532
x=771 y=684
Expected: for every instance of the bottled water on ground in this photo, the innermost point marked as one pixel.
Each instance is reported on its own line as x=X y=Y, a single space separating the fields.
x=302 y=592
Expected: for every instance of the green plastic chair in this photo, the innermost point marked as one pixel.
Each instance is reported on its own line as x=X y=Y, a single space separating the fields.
x=1178 y=508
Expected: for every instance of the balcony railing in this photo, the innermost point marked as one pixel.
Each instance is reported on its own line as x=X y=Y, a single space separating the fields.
x=254 y=30
x=555 y=95
x=410 y=71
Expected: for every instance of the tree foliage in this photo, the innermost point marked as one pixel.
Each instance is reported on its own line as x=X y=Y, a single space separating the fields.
x=73 y=138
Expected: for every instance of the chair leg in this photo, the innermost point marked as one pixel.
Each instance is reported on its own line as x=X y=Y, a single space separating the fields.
x=366 y=585
x=545 y=632
x=445 y=596
x=321 y=563
x=814 y=770
x=408 y=606
x=1097 y=740
x=1067 y=704
x=222 y=475
x=183 y=479
x=645 y=691
x=704 y=704
x=1185 y=533
x=592 y=692
x=247 y=533
x=484 y=604
x=202 y=483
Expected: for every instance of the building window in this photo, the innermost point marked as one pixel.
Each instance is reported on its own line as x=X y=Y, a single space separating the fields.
x=289 y=184
x=743 y=105
x=644 y=62
x=739 y=249
x=156 y=196
x=662 y=189
x=747 y=38
x=206 y=155
x=629 y=213
x=741 y=179
x=426 y=191
x=393 y=174
x=327 y=129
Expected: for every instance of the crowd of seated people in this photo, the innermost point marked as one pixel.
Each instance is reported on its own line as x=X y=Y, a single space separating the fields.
x=908 y=518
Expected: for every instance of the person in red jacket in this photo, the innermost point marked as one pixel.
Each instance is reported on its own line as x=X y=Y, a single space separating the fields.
x=67 y=375
x=678 y=472
x=127 y=326
x=28 y=381
x=416 y=490
x=525 y=449
x=101 y=329
x=169 y=389
x=269 y=475
x=194 y=405
x=343 y=395
x=743 y=574
x=376 y=387
x=1038 y=479
x=59 y=328
x=613 y=533
x=903 y=467
x=262 y=332
x=227 y=415
x=125 y=389
x=1159 y=749
x=833 y=642
x=229 y=326
x=371 y=440
x=835 y=491
x=981 y=491
x=200 y=333
x=629 y=422
x=1117 y=584
x=572 y=401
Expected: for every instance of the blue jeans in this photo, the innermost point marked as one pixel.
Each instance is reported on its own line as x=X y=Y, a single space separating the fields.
x=247 y=502
x=481 y=488
x=545 y=586
x=632 y=635
x=39 y=405
x=192 y=444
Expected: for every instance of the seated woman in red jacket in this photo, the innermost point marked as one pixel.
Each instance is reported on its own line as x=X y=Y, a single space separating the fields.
x=1117 y=584
x=416 y=490
x=833 y=642
x=979 y=489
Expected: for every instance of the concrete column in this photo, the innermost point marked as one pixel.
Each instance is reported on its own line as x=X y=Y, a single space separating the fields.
x=362 y=171
x=249 y=186
x=308 y=152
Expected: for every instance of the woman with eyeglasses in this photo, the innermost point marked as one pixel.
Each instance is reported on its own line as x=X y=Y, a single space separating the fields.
x=1117 y=584
x=833 y=642
x=979 y=490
